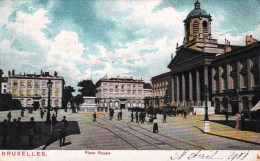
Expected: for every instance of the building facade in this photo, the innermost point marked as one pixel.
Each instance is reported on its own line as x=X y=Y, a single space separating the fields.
x=227 y=74
x=120 y=93
x=32 y=90
x=4 y=85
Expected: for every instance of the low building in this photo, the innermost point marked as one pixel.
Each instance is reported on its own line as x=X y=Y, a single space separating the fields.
x=120 y=93
x=32 y=90
x=4 y=85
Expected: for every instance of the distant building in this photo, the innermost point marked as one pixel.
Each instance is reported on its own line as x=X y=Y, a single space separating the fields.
x=230 y=72
x=32 y=90
x=4 y=85
x=147 y=90
x=120 y=93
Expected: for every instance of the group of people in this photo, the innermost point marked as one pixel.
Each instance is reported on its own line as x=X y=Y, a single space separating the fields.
x=14 y=130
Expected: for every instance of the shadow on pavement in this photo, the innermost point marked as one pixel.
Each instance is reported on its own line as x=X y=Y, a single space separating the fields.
x=13 y=142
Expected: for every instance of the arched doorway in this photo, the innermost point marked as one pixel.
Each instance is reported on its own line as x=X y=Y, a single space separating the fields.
x=225 y=103
x=217 y=102
x=235 y=109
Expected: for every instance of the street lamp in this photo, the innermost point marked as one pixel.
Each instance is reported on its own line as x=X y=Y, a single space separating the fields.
x=206 y=103
x=48 y=119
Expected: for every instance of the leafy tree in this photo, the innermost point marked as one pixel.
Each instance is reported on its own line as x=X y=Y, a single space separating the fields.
x=67 y=96
x=78 y=99
x=88 y=88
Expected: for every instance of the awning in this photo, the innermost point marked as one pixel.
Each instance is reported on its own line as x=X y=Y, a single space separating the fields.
x=256 y=107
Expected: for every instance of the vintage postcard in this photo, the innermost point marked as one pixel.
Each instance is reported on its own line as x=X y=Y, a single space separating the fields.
x=156 y=80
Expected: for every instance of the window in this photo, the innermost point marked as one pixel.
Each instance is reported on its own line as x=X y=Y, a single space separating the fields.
x=57 y=92
x=195 y=27
x=29 y=102
x=122 y=86
x=116 y=86
x=22 y=92
x=15 y=92
x=29 y=83
x=56 y=102
x=22 y=83
x=44 y=92
x=36 y=84
x=44 y=83
x=37 y=92
x=43 y=102
x=29 y=92
x=15 y=83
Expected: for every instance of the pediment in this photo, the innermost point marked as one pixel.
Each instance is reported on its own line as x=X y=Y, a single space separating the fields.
x=184 y=55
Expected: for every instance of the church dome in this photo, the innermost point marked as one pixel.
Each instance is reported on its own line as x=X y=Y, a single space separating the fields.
x=197 y=12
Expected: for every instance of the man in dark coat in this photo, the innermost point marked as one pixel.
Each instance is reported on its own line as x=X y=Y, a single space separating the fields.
x=63 y=132
x=94 y=116
x=164 y=117
x=53 y=120
x=5 y=132
x=9 y=116
x=132 y=117
x=136 y=116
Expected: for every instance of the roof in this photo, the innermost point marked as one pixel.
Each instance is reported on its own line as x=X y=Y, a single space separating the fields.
x=197 y=12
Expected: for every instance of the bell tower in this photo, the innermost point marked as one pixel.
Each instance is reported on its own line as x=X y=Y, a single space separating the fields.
x=197 y=24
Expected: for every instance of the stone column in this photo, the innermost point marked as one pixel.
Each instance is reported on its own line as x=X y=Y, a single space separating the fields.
x=213 y=82
x=249 y=75
x=183 y=89
x=229 y=84
x=177 y=88
x=172 y=89
x=220 y=71
x=238 y=75
x=198 y=85
x=190 y=90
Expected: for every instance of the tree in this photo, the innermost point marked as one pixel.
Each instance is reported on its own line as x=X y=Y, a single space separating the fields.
x=88 y=88
x=78 y=99
x=67 y=96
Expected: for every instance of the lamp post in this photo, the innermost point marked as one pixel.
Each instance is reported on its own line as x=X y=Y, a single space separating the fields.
x=48 y=119
x=206 y=120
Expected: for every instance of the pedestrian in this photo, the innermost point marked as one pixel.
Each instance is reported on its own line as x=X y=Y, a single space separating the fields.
x=121 y=115
x=132 y=117
x=65 y=121
x=32 y=123
x=136 y=116
x=155 y=126
x=9 y=116
x=53 y=120
x=22 y=113
x=184 y=115
x=118 y=116
x=94 y=116
x=42 y=114
x=226 y=116
x=31 y=135
x=40 y=132
x=63 y=132
x=164 y=117
x=19 y=128
x=5 y=132
x=56 y=112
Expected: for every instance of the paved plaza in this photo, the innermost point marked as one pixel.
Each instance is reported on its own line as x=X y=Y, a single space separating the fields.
x=106 y=134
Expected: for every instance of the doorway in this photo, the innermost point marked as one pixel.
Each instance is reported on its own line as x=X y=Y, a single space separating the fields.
x=235 y=109
x=122 y=106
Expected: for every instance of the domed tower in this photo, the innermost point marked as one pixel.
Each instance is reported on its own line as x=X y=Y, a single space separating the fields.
x=197 y=24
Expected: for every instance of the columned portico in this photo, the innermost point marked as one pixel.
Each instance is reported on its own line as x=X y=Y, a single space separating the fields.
x=198 y=86
x=183 y=90
x=190 y=88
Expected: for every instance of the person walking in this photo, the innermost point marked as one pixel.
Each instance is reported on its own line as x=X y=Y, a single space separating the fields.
x=132 y=117
x=42 y=114
x=65 y=121
x=184 y=115
x=242 y=122
x=22 y=113
x=53 y=120
x=94 y=116
x=9 y=116
x=56 y=112
x=136 y=116
x=5 y=132
x=63 y=132
x=32 y=123
x=164 y=117
x=120 y=115
x=155 y=126
x=226 y=114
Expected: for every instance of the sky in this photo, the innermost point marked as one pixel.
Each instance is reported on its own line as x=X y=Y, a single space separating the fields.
x=87 y=39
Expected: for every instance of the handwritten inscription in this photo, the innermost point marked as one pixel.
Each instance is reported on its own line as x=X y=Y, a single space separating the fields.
x=209 y=155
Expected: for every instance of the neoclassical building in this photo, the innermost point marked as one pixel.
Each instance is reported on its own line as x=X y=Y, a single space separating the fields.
x=121 y=93
x=231 y=73
x=32 y=90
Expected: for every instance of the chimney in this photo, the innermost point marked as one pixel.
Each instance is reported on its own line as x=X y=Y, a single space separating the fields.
x=250 y=40
x=46 y=73
x=13 y=72
x=55 y=74
x=227 y=46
